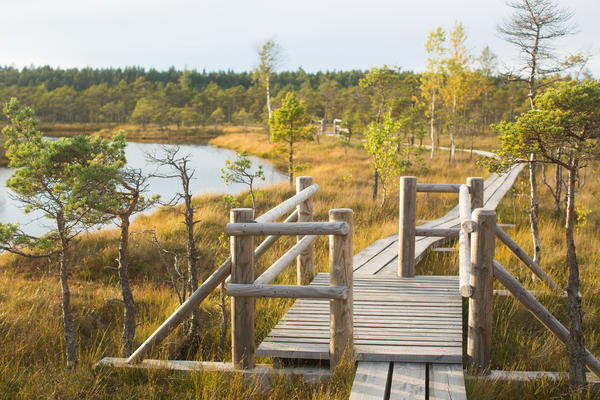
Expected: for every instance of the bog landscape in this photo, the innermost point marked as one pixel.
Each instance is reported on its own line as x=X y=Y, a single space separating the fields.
x=284 y=234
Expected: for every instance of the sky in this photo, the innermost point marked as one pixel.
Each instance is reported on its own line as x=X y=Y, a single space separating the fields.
x=225 y=34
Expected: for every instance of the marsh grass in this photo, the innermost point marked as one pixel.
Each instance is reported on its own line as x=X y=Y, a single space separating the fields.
x=31 y=356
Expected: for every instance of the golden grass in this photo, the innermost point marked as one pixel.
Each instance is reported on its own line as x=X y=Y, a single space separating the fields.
x=29 y=294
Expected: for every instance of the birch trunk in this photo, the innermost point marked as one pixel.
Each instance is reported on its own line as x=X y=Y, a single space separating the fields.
x=432 y=122
x=533 y=212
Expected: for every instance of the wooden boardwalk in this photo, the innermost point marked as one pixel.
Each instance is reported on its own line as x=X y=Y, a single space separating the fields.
x=395 y=319
x=408 y=331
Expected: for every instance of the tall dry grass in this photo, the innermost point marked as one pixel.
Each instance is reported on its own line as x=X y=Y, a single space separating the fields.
x=31 y=356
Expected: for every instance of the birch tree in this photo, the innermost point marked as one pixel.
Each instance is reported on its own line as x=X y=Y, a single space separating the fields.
x=433 y=78
x=269 y=58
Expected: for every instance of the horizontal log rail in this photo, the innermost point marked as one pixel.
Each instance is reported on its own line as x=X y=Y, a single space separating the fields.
x=540 y=312
x=285 y=260
x=438 y=188
x=441 y=232
x=288 y=291
x=297 y=228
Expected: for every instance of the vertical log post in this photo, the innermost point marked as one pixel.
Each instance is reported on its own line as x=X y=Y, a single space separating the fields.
x=476 y=190
x=407 y=226
x=341 y=322
x=242 y=308
x=481 y=306
x=305 y=264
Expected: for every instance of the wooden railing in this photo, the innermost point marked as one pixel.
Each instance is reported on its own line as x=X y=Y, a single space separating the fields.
x=244 y=288
x=301 y=203
x=477 y=266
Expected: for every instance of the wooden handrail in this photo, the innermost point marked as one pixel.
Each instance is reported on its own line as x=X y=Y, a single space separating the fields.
x=540 y=312
x=207 y=287
x=438 y=187
x=441 y=232
x=288 y=291
x=280 y=210
x=297 y=228
x=536 y=269
x=285 y=260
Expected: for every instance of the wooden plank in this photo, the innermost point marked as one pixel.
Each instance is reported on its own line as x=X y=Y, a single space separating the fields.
x=310 y=374
x=446 y=382
x=408 y=381
x=370 y=381
x=369 y=341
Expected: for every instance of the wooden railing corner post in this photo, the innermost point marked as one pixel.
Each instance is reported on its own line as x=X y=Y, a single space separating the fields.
x=475 y=185
x=341 y=312
x=305 y=263
x=407 y=222
x=242 y=308
x=481 y=306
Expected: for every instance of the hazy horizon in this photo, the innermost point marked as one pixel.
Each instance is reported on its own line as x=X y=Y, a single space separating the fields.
x=224 y=35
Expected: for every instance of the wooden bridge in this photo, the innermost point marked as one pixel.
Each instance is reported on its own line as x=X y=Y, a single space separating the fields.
x=405 y=330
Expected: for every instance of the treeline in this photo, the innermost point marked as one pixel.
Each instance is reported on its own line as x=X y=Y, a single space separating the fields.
x=191 y=98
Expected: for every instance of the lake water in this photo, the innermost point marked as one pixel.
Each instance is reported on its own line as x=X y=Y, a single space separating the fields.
x=206 y=160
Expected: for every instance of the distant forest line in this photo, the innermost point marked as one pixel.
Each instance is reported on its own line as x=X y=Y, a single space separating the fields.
x=192 y=98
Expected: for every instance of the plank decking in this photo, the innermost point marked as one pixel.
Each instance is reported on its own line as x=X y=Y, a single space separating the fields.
x=395 y=319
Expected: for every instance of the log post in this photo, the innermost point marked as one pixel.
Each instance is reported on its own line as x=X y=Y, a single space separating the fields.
x=481 y=306
x=341 y=321
x=242 y=308
x=305 y=264
x=407 y=226
x=476 y=188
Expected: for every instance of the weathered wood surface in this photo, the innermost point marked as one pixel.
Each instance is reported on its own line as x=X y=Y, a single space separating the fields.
x=408 y=381
x=541 y=313
x=296 y=228
x=305 y=268
x=395 y=319
x=370 y=381
x=309 y=374
x=481 y=303
x=406 y=226
x=288 y=291
x=341 y=311
x=446 y=382
x=381 y=257
x=242 y=308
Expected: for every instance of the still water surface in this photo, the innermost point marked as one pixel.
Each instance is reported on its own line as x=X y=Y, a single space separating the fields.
x=206 y=160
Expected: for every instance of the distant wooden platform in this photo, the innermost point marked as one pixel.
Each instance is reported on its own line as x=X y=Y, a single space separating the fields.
x=395 y=319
